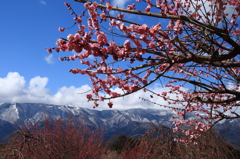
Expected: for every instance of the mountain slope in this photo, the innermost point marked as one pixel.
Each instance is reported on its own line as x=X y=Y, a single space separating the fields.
x=114 y=121
x=126 y=122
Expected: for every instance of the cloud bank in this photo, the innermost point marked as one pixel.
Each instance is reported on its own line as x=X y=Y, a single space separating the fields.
x=14 y=88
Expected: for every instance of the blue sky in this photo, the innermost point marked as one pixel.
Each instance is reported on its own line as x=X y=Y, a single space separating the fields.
x=27 y=72
x=28 y=28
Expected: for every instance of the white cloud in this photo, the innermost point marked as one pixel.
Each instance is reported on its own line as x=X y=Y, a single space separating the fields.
x=70 y=95
x=91 y=57
x=123 y=4
x=11 y=86
x=38 y=82
x=133 y=101
x=49 y=59
x=14 y=88
x=205 y=7
x=43 y=2
x=119 y=3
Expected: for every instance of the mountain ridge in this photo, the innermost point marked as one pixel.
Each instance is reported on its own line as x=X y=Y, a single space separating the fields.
x=114 y=121
x=30 y=113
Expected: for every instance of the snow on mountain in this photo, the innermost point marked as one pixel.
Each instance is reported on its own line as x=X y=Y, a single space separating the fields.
x=114 y=121
x=31 y=113
x=10 y=113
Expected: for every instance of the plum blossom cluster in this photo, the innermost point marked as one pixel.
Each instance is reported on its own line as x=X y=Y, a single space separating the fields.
x=194 y=53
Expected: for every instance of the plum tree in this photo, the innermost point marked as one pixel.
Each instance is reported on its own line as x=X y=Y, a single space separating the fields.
x=191 y=47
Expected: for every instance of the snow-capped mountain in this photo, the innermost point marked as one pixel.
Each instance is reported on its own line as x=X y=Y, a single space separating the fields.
x=126 y=122
x=114 y=121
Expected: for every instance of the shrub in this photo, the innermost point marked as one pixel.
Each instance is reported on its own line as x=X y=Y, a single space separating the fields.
x=160 y=144
x=57 y=140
